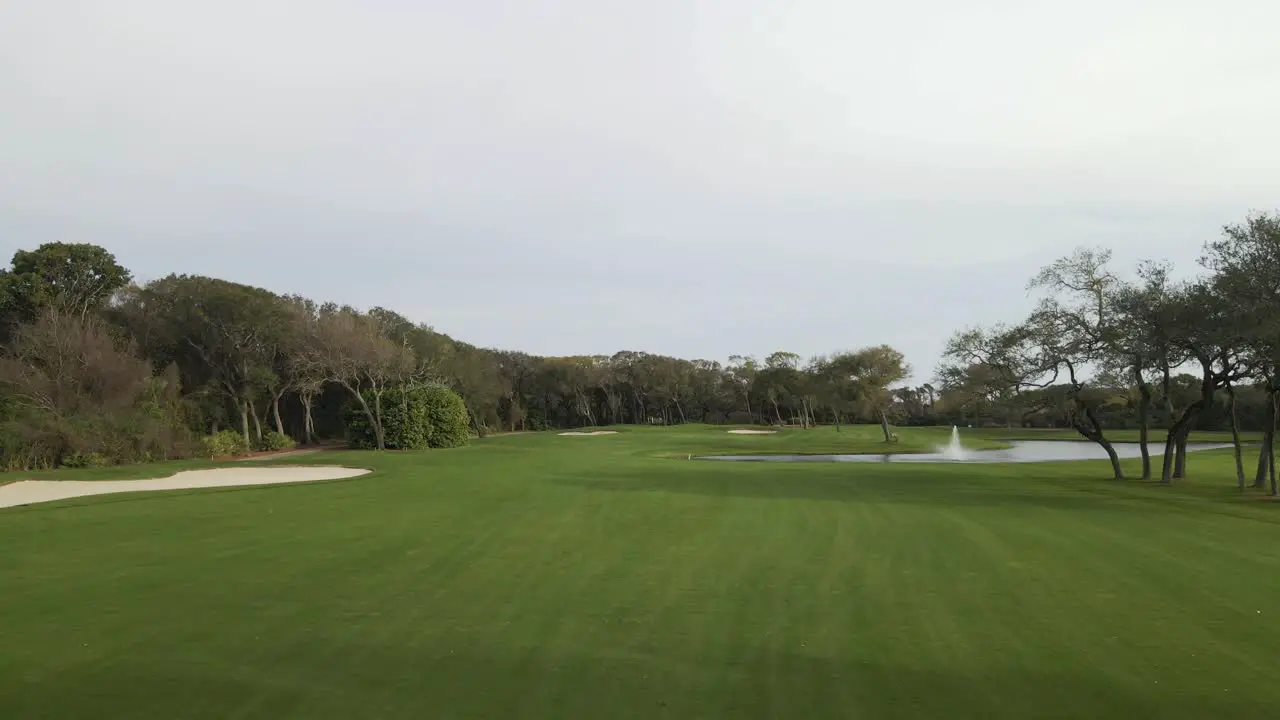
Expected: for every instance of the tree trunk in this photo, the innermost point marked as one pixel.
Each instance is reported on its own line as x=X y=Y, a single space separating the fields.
x=1166 y=388
x=275 y=410
x=1265 y=455
x=1097 y=436
x=1208 y=384
x=1235 y=436
x=1166 y=463
x=378 y=431
x=374 y=420
x=1115 y=459
x=884 y=426
x=1271 y=445
x=1175 y=445
x=308 y=425
x=1093 y=431
x=257 y=422
x=244 y=422
x=681 y=411
x=837 y=413
x=1144 y=419
x=1260 y=477
x=1269 y=449
x=776 y=411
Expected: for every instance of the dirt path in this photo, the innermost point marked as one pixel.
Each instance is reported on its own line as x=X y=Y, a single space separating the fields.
x=281 y=454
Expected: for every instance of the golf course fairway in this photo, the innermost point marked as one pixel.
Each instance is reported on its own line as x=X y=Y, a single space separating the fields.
x=547 y=576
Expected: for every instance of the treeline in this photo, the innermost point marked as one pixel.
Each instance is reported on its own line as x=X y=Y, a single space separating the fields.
x=1101 y=351
x=97 y=369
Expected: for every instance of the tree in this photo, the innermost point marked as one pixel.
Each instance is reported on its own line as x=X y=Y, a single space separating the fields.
x=473 y=373
x=72 y=390
x=357 y=355
x=224 y=336
x=1203 y=328
x=72 y=279
x=983 y=369
x=780 y=380
x=1074 y=326
x=1245 y=263
x=743 y=370
x=414 y=417
x=872 y=371
x=1143 y=337
x=303 y=363
x=515 y=372
x=832 y=380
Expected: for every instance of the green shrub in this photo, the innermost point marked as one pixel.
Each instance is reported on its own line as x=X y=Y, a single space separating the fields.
x=85 y=460
x=404 y=419
x=227 y=443
x=274 y=441
x=415 y=417
x=447 y=418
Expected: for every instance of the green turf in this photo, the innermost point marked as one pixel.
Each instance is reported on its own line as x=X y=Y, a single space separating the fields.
x=1156 y=435
x=553 y=577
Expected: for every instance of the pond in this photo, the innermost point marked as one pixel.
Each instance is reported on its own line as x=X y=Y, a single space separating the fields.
x=1020 y=451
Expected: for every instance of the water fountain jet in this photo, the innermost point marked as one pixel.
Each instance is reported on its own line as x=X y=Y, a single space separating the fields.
x=954 y=451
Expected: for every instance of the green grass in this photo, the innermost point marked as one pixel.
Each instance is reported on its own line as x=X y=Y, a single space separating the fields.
x=558 y=577
x=682 y=441
x=1156 y=435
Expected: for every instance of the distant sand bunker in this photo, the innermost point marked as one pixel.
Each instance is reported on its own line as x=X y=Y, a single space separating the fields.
x=753 y=432
x=26 y=492
x=590 y=434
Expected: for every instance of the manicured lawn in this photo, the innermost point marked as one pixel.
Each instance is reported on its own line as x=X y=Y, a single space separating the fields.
x=1157 y=435
x=682 y=441
x=593 y=577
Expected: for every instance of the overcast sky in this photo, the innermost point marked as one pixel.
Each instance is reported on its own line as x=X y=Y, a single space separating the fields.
x=691 y=178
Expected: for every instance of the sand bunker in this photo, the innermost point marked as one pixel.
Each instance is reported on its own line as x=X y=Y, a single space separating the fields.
x=26 y=492
x=753 y=432
x=591 y=434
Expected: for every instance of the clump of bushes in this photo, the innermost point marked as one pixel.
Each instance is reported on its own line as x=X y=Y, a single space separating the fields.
x=85 y=460
x=414 y=417
x=227 y=443
x=101 y=404
x=273 y=441
x=447 y=418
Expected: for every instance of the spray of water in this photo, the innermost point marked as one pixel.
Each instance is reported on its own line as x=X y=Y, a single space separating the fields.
x=954 y=450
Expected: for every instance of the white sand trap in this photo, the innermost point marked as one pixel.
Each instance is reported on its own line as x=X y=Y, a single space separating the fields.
x=26 y=492
x=590 y=434
x=753 y=432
